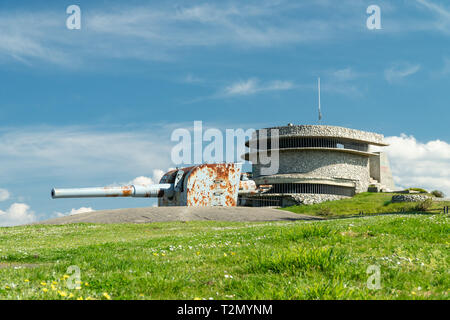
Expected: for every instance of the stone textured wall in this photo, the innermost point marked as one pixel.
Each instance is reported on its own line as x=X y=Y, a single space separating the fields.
x=409 y=198
x=329 y=131
x=307 y=199
x=324 y=164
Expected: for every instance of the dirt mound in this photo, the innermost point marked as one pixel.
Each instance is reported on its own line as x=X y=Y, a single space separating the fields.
x=164 y=214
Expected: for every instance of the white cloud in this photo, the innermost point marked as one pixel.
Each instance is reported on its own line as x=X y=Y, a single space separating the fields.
x=192 y=79
x=158 y=31
x=341 y=82
x=82 y=153
x=442 y=23
x=17 y=214
x=157 y=174
x=74 y=211
x=4 y=195
x=156 y=177
x=253 y=86
x=150 y=32
x=435 y=8
x=81 y=210
x=242 y=87
x=417 y=164
x=142 y=181
x=345 y=74
x=400 y=71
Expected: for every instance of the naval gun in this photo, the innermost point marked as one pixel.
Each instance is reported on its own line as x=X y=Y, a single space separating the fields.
x=197 y=186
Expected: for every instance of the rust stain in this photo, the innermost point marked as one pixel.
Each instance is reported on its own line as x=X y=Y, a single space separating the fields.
x=127 y=193
x=211 y=185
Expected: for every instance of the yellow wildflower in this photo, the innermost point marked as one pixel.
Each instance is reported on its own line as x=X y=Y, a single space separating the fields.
x=155 y=254
x=78 y=288
x=107 y=296
x=26 y=280
x=44 y=289
x=53 y=287
x=66 y=276
x=198 y=253
x=233 y=253
x=71 y=295
x=62 y=293
x=80 y=298
x=54 y=282
x=86 y=284
x=224 y=254
x=197 y=298
x=43 y=283
x=7 y=287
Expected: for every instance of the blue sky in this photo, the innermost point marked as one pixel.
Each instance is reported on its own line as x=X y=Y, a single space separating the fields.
x=97 y=106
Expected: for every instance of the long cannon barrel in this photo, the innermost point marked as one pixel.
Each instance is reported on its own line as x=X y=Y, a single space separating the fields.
x=143 y=191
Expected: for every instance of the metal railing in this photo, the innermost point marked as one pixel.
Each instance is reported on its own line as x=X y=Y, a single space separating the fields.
x=314 y=188
x=306 y=142
x=262 y=201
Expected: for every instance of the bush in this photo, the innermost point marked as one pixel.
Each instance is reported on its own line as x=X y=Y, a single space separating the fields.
x=326 y=212
x=437 y=193
x=424 y=205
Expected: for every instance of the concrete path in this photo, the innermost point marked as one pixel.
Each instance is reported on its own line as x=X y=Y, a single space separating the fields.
x=163 y=214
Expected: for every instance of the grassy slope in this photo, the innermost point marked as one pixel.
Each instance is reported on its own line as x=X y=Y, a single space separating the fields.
x=367 y=202
x=283 y=260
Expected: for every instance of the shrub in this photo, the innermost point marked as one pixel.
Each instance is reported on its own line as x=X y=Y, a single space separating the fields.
x=424 y=205
x=326 y=212
x=437 y=193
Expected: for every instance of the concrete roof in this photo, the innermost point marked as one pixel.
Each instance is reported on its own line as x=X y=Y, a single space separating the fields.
x=323 y=131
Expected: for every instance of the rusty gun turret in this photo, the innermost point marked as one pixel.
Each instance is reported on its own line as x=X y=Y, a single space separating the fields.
x=198 y=186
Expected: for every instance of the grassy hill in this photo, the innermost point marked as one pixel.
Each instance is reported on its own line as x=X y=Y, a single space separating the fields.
x=368 y=203
x=230 y=260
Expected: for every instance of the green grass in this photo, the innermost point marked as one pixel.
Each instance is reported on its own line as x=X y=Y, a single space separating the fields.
x=367 y=202
x=230 y=260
